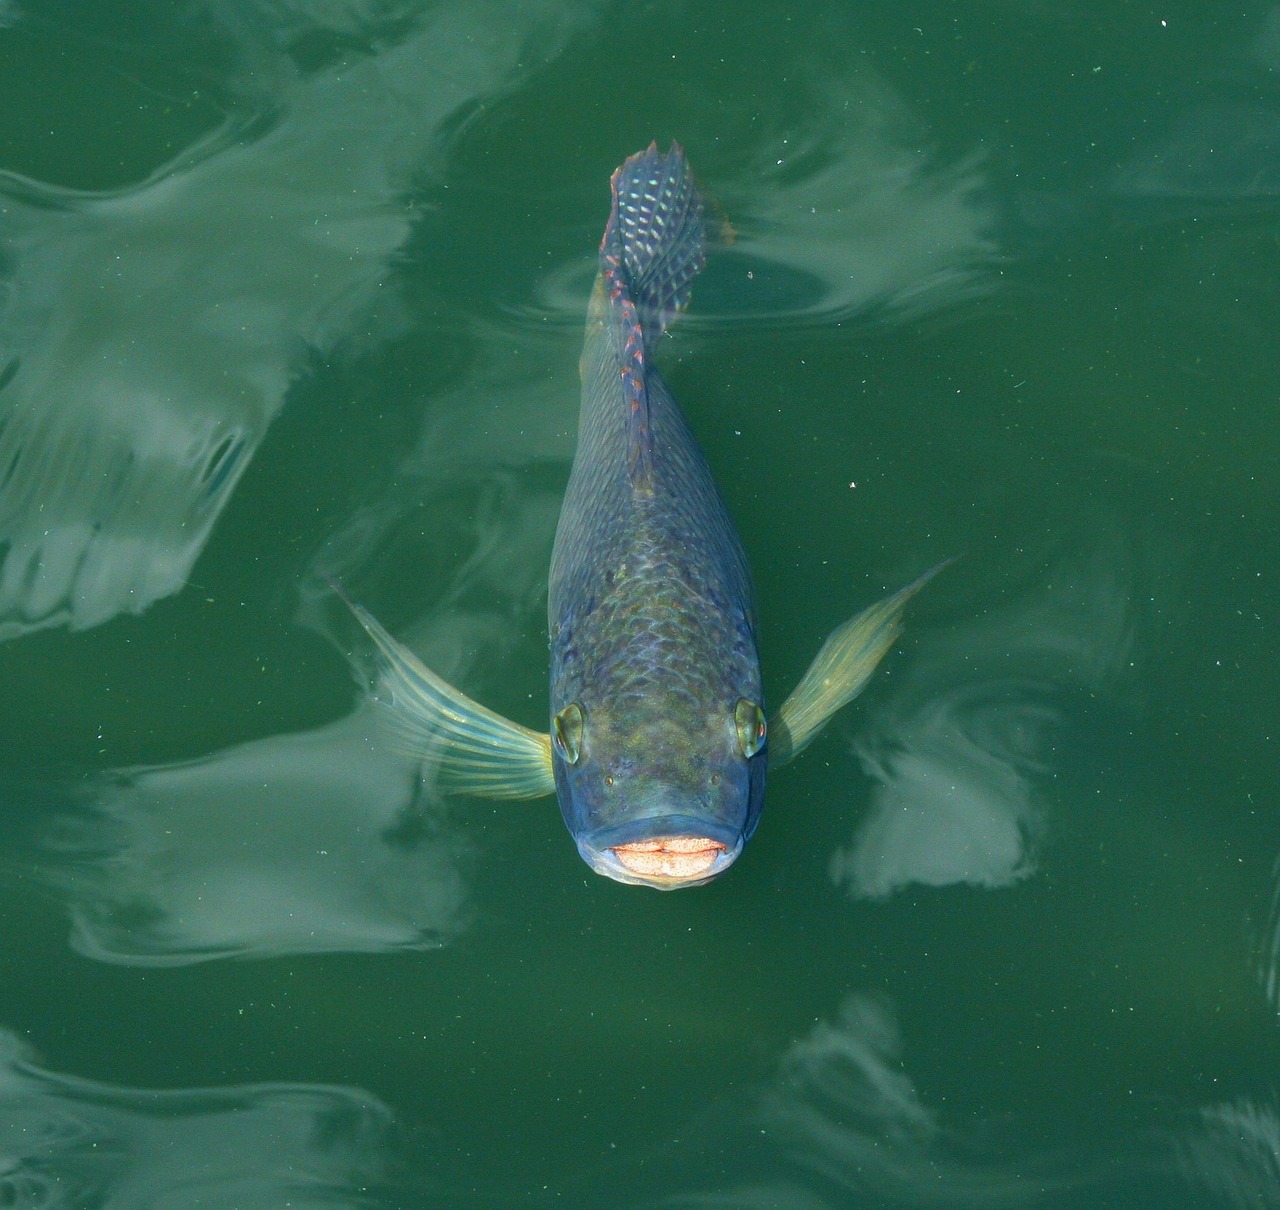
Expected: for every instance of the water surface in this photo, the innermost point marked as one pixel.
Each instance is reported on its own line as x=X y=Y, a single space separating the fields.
x=291 y=289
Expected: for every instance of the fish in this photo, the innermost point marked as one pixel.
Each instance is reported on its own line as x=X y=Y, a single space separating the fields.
x=659 y=742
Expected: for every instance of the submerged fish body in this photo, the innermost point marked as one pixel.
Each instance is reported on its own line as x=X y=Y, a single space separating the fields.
x=658 y=743
x=650 y=610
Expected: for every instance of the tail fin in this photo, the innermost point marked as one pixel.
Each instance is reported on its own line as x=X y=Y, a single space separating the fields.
x=655 y=238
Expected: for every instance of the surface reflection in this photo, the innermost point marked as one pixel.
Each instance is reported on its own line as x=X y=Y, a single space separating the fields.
x=845 y=1109
x=503 y=440
x=152 y=333
x=326 y=840
x=1221 y=151
x=1223 y=146
x=844 y=1120
x=1235 y=1153
x=299 y=843
x=851 y=206
x=71 y=1143
x=1268 y=945
x=960 y=749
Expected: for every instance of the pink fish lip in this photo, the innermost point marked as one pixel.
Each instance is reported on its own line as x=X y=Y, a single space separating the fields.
x=669 y=859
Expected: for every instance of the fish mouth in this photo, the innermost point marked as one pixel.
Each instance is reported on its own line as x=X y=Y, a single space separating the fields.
x=670 y=860
x=666 y=853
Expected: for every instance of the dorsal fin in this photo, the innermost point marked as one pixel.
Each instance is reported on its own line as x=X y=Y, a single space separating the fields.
x=653 y=248
x=655 y=230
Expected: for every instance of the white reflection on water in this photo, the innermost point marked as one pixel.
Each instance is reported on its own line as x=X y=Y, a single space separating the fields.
x=844 y=1108
x=325 y=840
x=956 y=796
x=1218 y=151
x=843 y=1116
x=852 y=205
x=299 y=843
x=67 y=1143
x=847 y=212
x=842 y=1123
x=959 y=750
x=1269 y=944
x=1220 y=144
x=517 y=407
x=151 y=334
x=1236 y=1153
x=504 y=439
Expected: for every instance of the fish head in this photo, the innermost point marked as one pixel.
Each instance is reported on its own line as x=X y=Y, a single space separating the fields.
x=660 y=799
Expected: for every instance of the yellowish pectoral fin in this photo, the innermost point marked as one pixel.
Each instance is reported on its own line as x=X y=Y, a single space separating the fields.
x=839 y=671
x=473 y=750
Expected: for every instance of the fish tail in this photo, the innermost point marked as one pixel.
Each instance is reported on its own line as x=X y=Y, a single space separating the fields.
x=654 y=245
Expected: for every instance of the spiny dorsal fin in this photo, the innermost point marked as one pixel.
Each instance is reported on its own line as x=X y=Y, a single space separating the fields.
x=656 y=233
x=653 y=248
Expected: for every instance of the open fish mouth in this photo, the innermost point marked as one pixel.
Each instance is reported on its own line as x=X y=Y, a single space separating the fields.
x=669 y=858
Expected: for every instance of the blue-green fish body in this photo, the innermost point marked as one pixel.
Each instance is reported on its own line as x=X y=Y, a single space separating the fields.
x=658 y=743
x=654 y=669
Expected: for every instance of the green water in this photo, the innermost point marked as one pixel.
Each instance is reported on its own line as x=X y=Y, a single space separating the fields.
x=290 y=290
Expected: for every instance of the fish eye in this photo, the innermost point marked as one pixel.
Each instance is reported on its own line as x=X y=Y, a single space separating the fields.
x=608 y=781
x=566 y=732
x=751 y=726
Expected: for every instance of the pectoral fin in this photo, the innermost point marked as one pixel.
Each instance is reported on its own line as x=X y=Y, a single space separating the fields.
x=474 y=750
x=839 y=671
